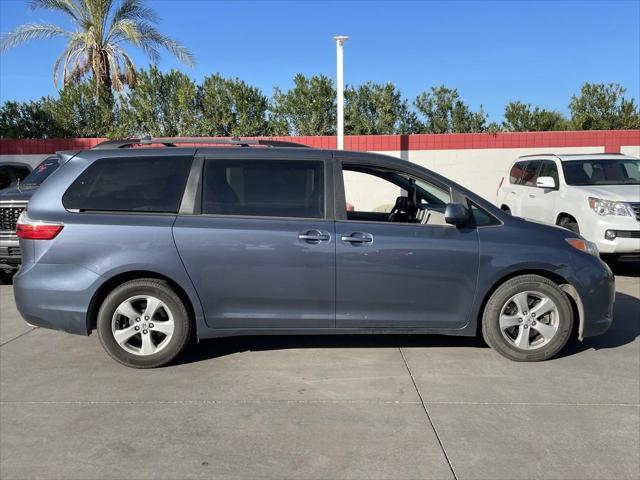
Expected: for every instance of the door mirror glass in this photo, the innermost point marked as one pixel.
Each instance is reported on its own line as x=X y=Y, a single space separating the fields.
x=456 y=214
x=546 y=182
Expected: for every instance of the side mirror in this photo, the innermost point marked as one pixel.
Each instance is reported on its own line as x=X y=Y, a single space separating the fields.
x=546 y=182
x=456 y=214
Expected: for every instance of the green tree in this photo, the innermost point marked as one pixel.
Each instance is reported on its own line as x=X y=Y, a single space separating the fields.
x=79 y=113
x=377 y=109
x=162 y=104
x=521 y=117
x=230 y=107
x=96 y=42
x=603 y=107
x=27 y=120
x=445 y=112
x=309 y=108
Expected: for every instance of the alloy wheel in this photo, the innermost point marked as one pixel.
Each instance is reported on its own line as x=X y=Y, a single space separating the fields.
x=529 y=320
x=142 y=325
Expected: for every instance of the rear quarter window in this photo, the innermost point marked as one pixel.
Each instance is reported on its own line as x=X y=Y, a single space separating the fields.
x=131 y=184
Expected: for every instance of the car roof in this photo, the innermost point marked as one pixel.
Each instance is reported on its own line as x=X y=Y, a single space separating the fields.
x=569 y=157
x=237 y=152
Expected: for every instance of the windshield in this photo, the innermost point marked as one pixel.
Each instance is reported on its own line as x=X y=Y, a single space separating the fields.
x=602 y=172
x=41 y=172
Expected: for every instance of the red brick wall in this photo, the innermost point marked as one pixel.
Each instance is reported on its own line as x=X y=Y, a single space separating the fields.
x=612 y=140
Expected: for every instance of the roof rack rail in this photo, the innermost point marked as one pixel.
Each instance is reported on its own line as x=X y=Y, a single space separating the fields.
x=543 y=154
x=173 y=141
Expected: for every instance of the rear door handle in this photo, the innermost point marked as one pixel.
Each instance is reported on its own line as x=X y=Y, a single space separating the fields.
x=357 y=238
x=314 y=236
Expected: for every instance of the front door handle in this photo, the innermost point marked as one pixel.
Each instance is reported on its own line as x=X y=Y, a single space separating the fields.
x=314 y=236
x=357 y=238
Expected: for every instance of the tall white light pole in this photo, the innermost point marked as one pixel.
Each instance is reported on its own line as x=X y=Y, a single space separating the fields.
x=340 y=39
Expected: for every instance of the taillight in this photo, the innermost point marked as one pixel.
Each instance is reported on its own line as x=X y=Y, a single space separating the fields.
x=36 y=230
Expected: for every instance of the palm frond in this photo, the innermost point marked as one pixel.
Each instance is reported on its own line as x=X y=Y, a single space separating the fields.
x=30 y=31
x=133 y=10
x=151 y=36
x=63 y=59
x=70 y=7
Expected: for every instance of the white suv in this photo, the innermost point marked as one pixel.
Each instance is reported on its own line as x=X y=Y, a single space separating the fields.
x=596 y=195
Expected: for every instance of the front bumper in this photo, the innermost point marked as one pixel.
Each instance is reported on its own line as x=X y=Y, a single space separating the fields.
x=10 y=254
x=627 y=242
x=55 y=296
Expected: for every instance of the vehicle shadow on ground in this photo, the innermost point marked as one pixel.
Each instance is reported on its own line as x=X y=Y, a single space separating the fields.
x=629 y=268
x=625 y=329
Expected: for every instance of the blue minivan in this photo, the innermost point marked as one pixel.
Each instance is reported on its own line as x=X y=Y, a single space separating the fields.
x=198 y=238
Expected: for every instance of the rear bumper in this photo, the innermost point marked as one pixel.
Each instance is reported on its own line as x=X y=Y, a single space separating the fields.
x=55 y=296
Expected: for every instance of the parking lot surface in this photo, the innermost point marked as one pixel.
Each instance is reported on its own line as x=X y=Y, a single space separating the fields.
x=356 y=407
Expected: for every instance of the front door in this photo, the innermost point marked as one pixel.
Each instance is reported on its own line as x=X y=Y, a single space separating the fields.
x=262 y=253
x=543 y=205
x=398 y=264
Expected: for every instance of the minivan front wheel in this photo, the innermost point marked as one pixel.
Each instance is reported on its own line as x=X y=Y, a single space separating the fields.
x=143 y=324
x=528 y=318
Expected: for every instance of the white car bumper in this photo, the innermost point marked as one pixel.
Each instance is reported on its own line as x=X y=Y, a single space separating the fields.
x=627 y=234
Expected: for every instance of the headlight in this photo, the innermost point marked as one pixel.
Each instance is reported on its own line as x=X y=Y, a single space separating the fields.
x=583 y=245
x=610 y=207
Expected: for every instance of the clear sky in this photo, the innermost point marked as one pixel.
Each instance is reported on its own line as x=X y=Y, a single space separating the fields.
x=493 y=52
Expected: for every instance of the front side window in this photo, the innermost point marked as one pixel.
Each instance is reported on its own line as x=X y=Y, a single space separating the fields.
x=5 y=177
x=602 y=172
x=530 y=174
x=549 y=169
x=132 y=184
x=41 y=172
x=380 y=195
x=264 y=188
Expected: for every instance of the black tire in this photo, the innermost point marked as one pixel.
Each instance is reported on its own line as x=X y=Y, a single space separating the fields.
x=506 y=209
x=6 y=276
x=491 y=318
x=160 y=290
x=569 y=223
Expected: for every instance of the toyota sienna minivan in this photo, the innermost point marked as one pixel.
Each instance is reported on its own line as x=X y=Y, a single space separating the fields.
x=154 y=246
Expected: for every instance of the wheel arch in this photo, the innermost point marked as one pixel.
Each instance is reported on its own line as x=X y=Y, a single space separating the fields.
x=111 y=283
x=563 y=284
x=565 y=214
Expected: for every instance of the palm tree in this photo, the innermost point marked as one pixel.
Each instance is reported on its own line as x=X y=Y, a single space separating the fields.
x=96 y=43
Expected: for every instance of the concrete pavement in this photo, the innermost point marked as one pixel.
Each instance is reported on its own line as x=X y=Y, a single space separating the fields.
x=357 y=407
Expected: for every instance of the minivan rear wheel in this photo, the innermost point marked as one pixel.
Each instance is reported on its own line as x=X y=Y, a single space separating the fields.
x=143 y=324
x=527 y=319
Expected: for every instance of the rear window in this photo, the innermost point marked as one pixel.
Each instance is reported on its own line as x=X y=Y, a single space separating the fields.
x=264 y=188
x=143 y=184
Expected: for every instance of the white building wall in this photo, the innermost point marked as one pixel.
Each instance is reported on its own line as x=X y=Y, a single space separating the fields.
x=479 y=170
